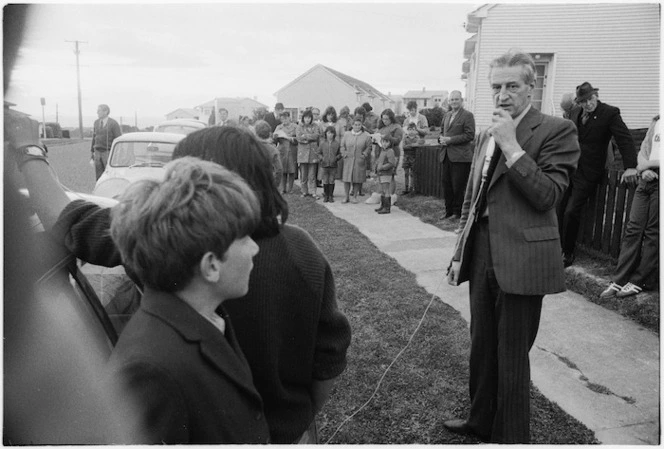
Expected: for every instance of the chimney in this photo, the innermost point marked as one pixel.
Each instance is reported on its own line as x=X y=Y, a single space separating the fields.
x=423 y=89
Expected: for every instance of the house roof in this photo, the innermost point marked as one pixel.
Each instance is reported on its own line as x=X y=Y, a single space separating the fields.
x=475 y=17
x=356 y=84
x=425 y=94
x=229 y=100
x=191 y=111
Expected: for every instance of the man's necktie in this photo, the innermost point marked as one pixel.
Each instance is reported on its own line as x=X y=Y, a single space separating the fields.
x=484 y=187
x=585 y=117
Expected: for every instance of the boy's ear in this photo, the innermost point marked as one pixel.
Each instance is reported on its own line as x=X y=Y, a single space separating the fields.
x=210 y=267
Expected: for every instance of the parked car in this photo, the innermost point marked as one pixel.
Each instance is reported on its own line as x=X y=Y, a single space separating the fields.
x=62 y=319
x=134 y=156
x=180 y=126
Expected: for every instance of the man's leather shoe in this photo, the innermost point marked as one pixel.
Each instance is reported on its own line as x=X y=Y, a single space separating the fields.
x=460 y=426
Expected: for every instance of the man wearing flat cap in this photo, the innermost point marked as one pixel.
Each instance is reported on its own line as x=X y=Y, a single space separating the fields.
x=596 y=123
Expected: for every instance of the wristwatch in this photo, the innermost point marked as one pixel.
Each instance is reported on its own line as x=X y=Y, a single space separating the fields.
x=29 y=152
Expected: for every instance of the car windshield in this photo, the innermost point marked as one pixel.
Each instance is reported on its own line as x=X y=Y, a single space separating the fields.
x=176 y=129
x=127 y=154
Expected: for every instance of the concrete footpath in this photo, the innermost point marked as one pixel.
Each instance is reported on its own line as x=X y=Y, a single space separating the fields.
x=601 y=368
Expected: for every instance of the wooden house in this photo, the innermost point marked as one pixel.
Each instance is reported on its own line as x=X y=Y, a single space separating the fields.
x=322 y=86
x=613 y=46
x=236 y=107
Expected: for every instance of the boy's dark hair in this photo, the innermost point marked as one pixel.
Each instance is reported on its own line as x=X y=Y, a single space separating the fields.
x=412 y=104
x=412 y=125
x=163 y=228
x=239 y=150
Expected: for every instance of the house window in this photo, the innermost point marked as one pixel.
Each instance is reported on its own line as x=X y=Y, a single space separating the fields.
x=542 y=63
x=425 y=102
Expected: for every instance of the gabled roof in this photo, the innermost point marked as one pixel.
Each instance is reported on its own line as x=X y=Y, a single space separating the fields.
x=475 y=17
x=425 y=94
x=356 y=84
x=228 y=100
x=191 y=111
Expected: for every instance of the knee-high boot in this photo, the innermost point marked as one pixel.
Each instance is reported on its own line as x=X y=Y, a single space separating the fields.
x=382 y=204
x=388 y=206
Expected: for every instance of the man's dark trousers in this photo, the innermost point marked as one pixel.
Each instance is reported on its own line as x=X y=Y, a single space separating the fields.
x=574 y=201
x=502 y=330
x=455 y=177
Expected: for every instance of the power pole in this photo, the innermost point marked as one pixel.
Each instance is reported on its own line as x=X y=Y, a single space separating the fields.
x=78 y=84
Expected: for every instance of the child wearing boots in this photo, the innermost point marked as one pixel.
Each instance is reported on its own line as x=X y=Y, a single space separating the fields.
x=410 y=142
x=328 y=153
x=384 y=169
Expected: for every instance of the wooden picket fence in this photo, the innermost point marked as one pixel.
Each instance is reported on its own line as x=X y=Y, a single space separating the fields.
x=602 y=222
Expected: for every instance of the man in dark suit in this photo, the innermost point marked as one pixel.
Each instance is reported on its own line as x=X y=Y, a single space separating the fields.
x=456 y=153
x=508 y=248
x=596 y=123
x=273 y=117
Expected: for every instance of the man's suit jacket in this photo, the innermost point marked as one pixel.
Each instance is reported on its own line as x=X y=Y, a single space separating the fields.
x=522 y=200
x=103 y=136
x=604 y=122
x=190 y=382
x=462 y=132
x=271 y=120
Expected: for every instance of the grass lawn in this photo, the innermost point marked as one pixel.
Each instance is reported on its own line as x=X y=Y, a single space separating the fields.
x=429 y=382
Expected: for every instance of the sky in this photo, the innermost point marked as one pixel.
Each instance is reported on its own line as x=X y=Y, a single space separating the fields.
x=146 y=60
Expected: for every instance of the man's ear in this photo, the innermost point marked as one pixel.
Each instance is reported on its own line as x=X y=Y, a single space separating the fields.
x=210 y=267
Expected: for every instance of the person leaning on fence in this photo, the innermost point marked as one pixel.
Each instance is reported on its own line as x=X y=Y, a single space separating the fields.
x=329 y=155
x=411 y=141
x=639 y=248
x=384 y=167
x=596 y=123
x=182 y=369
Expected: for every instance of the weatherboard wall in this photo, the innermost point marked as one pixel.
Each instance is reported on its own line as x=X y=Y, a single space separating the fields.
x=614 y=46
